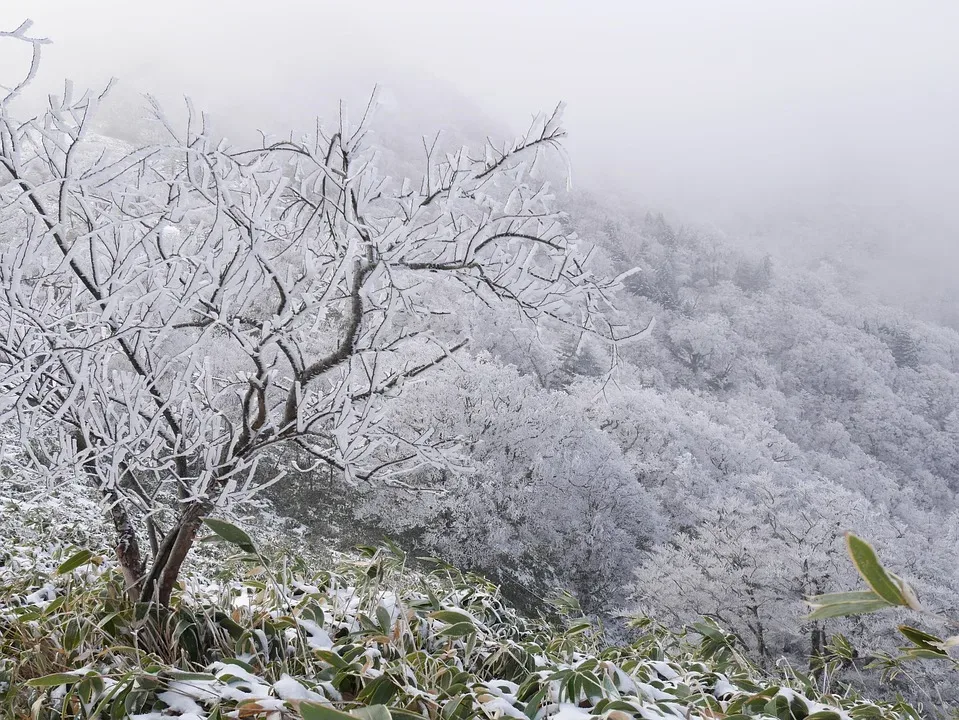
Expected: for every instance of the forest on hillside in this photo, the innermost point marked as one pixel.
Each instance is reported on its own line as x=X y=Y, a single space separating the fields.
x=711 y=467
x=444 y=346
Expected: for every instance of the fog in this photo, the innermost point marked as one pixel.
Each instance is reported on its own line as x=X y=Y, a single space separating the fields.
x=798 y=127
x=674 y=424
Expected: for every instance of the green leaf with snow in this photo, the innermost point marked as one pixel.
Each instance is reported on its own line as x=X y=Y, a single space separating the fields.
x=925 y=641
x=373 y=712
x=885 y=585
x=451 y=617
x=457 y=630
x=384 y=619
x=231 y=534
x=835 y=605
x=78 y=559
x=378 y=691
x=55 y=680
x=315 y=711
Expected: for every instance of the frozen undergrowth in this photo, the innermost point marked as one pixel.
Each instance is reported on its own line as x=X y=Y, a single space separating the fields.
x=41 y=523
x=271 y=634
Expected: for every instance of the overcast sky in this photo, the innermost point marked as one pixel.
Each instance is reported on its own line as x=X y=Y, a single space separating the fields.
x=720 y=108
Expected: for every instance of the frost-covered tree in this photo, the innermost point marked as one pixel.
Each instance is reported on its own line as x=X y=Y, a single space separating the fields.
x=755 y=557
x=816 y=428
x=546 y=499
x=170 y=312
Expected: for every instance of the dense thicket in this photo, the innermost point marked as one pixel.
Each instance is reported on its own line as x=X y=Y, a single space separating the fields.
x=262 y=632
x=705 y=466
x=718 y=460
x=175 y=310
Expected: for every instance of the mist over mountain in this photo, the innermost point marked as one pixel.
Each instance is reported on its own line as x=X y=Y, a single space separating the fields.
x=823 y=120
x=654 y=361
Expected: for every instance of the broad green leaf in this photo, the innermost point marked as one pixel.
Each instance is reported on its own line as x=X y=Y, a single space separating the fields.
x=845 y=609
x=867 y=712
x=331 y=657
x=378 y=691
x=54 y=606
x=457 y=707
x=54 y=680
x=458 y=630
x=798 y=707
x=843 y=597
x=924 y=640
x=383 y=618
x=373 y=712
x=74 y=561
x=778 y=707
x=451 y=617
x=578 y=628
x=183 y=676
x=313 y=613
x=535 y=702
x=315 y=711
x=401 y=714
x=921 y=653
x=710 y=631
x=352 y=653
x=231 y=533
x=867 y=563
x=434 y=601
x=842 y=604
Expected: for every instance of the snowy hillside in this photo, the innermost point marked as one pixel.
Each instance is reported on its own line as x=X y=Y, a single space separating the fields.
x=266 y=633
x=628 y=426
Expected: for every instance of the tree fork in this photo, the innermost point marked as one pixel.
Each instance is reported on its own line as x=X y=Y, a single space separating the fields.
x=158 y=584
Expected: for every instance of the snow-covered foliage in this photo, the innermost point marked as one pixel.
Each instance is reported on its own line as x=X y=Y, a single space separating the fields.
x=275 y=636
x=176 y=310
x=173 y=311
x=769 y=410
x=769 y=417
x=548 y=499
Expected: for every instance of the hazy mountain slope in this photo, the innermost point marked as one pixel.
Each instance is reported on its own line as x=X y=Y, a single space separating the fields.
x=278 y=635
x=718 y=458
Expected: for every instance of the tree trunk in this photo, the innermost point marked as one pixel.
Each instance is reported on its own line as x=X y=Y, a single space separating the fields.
x=159 y=582
x=817 y=648
x=127 y=548
x=757 y=630
x=185 y=537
